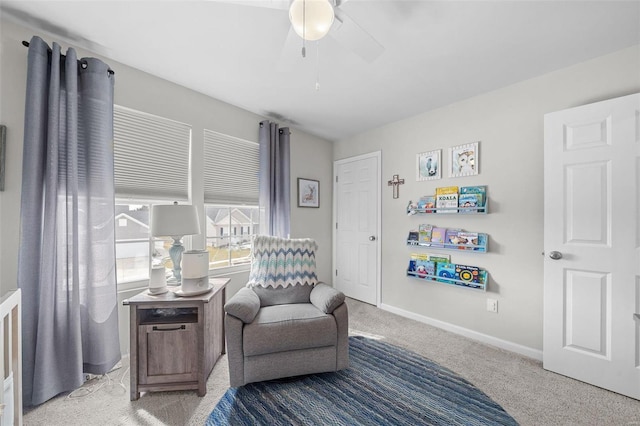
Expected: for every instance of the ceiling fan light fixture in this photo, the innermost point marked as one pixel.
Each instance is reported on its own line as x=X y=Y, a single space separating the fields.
x=311 y=19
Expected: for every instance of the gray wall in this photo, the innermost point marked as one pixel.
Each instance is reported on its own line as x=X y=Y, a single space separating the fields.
x=509 y=124
x=144 y=92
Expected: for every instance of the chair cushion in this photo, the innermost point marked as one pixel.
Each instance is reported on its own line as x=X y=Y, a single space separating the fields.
x=289 y=327
x=298 y=293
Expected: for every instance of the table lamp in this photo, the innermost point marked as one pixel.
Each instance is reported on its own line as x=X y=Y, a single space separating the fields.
x=174 y=221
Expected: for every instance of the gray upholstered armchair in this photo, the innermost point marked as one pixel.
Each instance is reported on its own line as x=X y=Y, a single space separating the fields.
x=284 y=323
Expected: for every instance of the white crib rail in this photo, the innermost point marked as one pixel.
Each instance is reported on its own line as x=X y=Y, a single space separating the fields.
x=11 y=361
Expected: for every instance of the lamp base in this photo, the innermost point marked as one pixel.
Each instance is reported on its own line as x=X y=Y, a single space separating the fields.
x=175 y=252
x=172 y=282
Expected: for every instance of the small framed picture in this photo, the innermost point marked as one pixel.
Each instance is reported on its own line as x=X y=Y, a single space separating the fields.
x=464 y=160
x=308 y=193
x=428 y=165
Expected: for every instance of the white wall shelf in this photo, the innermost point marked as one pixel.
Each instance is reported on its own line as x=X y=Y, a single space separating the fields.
x=456 y=210
x=483 y=280
x=481 y=247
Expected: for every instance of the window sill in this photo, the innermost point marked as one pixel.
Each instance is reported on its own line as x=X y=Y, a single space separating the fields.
x=144 y=283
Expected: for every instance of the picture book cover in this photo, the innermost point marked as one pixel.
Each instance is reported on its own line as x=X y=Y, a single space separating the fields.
x=469 y=238
x=424 y=232
x=468 y=202
x=419 y=256
x=468 y=193
x=447 y=199
x=440 y=258
x=413 y=238
x=445 y=270
x=412 y=267
x=451 y=236
x=438 y=236
x=424 y=268
x=427 y=204
x=468 y=274
x=482 y=242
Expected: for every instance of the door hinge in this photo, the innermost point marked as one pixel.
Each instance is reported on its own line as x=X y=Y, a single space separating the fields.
x=336 y=179
x=336 y=225
x=336 y=272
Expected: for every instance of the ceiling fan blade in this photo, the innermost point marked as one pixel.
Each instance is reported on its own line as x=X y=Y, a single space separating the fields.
x=271 y=4
x=291 y=53
x=351 y=35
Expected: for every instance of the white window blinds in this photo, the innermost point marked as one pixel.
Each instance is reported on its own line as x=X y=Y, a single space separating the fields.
x=151 y=156
x=231 y=168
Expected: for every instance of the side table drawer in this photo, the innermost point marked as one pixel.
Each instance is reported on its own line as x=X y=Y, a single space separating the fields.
x=168 y=353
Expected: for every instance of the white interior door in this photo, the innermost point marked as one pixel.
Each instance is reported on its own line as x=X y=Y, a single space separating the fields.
x=357 y=227
x=592 y=244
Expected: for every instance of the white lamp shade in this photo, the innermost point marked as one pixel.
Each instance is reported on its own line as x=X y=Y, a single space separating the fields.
x=174 y=220
x=311 y=19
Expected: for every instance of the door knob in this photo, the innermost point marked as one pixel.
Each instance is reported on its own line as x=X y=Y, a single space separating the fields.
x=555 y=255
x=372 y=238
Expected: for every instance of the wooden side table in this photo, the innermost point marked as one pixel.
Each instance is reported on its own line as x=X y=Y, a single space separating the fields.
x=175 y=341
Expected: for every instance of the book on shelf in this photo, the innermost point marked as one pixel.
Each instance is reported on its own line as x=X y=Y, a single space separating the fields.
x=451 y=236
x=467 y=238
x=419 y=256
x=447 y=199
x=421 y=267
x=413 y=238
x=482 y=242
x=438 y=236
x=445 y=270
x=424 y=233
x=469 y=275
x=473 y=196
x=412 y=266
x=439 y=258
x=427 y=204
x=424 y=268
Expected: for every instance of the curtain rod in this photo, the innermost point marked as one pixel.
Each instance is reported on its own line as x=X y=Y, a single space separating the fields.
x=26 y=44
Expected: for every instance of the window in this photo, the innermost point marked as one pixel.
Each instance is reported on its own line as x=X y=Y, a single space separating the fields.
x=151 y=166
x=231 y=168
x=226 y=248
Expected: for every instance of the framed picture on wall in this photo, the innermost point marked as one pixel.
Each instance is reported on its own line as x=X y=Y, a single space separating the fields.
x=308 y=193
x=464 y=160
x=428 y=165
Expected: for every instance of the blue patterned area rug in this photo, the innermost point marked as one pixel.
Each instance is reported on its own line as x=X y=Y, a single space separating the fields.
x=384 y=385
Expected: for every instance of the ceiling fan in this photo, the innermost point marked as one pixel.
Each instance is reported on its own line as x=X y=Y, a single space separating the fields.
x=314 y=19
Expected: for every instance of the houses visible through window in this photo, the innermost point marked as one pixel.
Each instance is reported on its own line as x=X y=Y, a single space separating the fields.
x=226 y=245
x=136 y=250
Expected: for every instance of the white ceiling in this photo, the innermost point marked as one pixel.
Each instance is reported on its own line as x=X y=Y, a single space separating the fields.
x=435 y=52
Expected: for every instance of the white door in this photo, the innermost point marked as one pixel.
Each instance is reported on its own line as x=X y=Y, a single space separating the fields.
x=592 y=244
x=357 y=227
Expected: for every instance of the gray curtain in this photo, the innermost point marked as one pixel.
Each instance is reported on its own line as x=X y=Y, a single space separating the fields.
x=275 y=186
x=66 y=264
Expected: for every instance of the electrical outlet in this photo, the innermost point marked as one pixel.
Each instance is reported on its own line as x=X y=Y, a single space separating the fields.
x=492 y=305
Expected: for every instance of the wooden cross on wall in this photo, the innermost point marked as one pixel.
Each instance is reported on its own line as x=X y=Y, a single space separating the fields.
x=396 y=182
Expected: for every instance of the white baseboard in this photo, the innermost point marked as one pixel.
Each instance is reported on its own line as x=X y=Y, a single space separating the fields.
x=484 y=338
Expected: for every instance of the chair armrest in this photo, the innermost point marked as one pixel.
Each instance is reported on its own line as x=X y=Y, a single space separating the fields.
x=244 y=305
x=326 y=298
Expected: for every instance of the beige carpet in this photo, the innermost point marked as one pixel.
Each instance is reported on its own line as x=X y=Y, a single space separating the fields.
x=530 y=394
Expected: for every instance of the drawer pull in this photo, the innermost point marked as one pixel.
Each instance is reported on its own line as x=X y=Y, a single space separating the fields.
x=182 y=327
